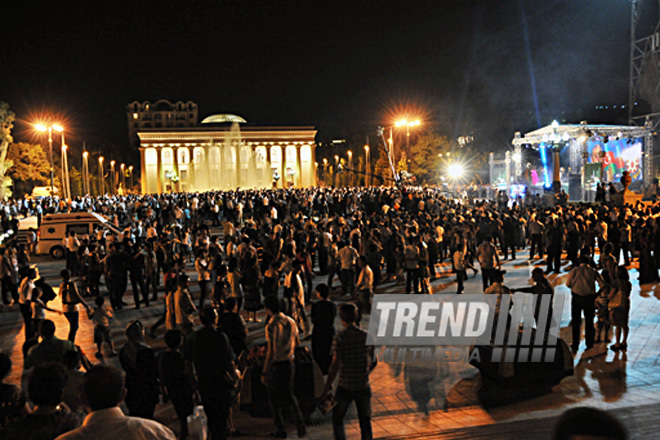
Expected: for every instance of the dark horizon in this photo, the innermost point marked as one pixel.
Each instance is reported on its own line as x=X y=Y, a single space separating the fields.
x=343 y=67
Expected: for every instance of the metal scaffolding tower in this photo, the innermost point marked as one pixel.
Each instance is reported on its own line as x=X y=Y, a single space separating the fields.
x=645 y=74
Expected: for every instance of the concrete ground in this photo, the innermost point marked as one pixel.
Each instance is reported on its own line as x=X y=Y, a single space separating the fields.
x=628 y=384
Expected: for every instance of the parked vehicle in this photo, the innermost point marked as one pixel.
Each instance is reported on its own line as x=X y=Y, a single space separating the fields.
x=54 y=228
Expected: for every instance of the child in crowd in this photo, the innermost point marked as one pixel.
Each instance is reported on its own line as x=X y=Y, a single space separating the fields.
x=603 y=326
x=101 y=316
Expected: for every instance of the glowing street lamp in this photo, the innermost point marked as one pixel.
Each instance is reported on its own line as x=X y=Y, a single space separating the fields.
x=130 y=170
x=367 y=166
x=407 y=124
x=122 y=169
x=101 y=177
x=113 y=183
x=85 y=172
x=350 y=167
x=49 y=129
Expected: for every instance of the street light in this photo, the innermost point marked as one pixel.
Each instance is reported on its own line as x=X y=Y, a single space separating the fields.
x=367 y=166
x=350 y=167
x=113 y=184
x=407 y=124
x=66 y=188
x=101 y=177
x=130 y=169
x=85 y=173
x=122 y=169
x=49 y=129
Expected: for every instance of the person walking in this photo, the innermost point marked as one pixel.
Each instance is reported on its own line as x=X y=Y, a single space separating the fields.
x=582 y=282
x=347 y=258
x=279 y=368
x=619 y=308
x=352 y=361
x=365 y=286
x=184 y=306
x=323 y=319
x=488 y=261
x=411 y=262
x=70 y=299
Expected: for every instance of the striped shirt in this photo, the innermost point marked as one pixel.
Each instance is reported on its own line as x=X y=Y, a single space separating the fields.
x=282 y=331
x=355 y=358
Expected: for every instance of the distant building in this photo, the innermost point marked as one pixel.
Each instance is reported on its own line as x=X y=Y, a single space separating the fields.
x=219 y=154
x=160 y=114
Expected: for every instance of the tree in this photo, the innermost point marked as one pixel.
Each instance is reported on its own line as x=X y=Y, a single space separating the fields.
x=30 y=167
x=425 y=160
x=6 y=124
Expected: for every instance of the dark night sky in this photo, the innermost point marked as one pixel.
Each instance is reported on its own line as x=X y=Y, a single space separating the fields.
x=345 y=67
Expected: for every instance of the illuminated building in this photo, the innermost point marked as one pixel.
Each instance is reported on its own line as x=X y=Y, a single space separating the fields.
x=219 y=154
x=160 y=114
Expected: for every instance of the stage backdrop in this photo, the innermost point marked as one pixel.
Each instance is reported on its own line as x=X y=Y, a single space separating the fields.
x=619 y=155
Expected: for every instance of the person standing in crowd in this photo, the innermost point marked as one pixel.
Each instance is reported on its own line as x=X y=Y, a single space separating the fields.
x=116 y=273
x=619 y=306
x=70 y=299
x=9 y=274
x=209 y=359
x=324 y=313
x=13 y=403
x=365 y=285
x=352 y=360
x=184 y=306
x=72 y=244
x=411 y=261
x=278 y=370
x=50 y=349
x=137 y=273
x=536 y=230
x=25 y=293
x=174 y=379
x=103 y=390
x=101 y=316
x=139 y=362
x=582 y=282
x=50 y=418
x=347 y=258
x=203 y=275
x=554 y=242
x=233 y=325
x=541 y=287
x=488 y=261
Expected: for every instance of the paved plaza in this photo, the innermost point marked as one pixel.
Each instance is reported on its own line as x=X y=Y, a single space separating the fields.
x=628 y=384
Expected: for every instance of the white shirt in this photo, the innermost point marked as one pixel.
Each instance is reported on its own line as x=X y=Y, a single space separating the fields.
x=112 y=424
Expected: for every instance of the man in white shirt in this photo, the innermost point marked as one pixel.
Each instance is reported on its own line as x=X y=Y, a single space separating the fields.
x=347 y=256
x=103 y=390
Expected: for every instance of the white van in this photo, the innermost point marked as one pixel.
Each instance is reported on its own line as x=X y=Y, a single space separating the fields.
x=54 y=228
x=43 y=191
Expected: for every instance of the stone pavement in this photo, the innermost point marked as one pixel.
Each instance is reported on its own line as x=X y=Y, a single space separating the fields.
x=628 y=384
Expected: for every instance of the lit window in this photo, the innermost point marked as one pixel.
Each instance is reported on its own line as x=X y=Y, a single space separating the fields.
x=135 y=115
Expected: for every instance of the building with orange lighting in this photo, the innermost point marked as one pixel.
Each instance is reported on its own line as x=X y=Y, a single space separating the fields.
x=222 y=153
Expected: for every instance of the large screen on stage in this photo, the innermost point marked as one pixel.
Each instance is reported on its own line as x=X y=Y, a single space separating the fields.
x=617 y=156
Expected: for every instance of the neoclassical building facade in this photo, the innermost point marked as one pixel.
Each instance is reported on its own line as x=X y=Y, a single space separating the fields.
x=220 y=154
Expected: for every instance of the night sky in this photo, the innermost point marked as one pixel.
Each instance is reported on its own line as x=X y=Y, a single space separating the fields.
x=344 y=67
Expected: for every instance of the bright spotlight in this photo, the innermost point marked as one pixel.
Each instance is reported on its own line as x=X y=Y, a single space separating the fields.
x=455 y=170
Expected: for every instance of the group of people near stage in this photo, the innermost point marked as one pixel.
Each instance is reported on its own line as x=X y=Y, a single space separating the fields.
x=213 y=261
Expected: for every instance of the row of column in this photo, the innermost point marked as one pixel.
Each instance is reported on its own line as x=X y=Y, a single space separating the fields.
x=221 y=166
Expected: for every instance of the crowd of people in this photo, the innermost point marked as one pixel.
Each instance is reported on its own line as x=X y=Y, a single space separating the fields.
x=259 y=255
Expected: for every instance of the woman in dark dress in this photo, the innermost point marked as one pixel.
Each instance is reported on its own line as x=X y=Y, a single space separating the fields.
x=139 y=362
x=271 y=280
x=324 y=313
x=648 y=272
x=250 y=281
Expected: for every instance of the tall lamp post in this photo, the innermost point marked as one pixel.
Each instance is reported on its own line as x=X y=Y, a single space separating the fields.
x=350 y=167
x=130 y=170
x=407 y=124
x=101 y=177
x=367 y=166
x=122 y=170
x=49 y=129
x=85 y=173
x=113 y=184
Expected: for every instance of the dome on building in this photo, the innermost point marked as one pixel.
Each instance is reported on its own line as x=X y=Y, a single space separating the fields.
x=223 y=118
